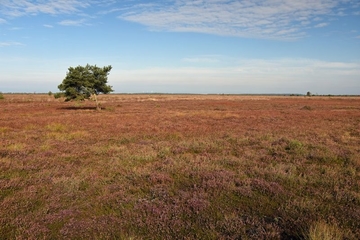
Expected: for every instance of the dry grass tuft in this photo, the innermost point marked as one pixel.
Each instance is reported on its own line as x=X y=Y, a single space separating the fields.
x=323 y=231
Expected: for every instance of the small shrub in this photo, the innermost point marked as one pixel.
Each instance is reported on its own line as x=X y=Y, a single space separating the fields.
x=294 y=145
x=1 y=96
x=50 y=93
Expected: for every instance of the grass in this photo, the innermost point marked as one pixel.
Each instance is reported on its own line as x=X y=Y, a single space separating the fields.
x=324 y=231
x=195 y=167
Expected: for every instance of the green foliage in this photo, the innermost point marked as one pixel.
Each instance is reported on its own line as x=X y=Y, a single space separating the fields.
x=1 y=96
x=50 y=93
x=58 y=95
x=83 y=83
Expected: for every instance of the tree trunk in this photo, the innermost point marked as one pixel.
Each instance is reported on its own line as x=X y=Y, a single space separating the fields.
x=97 y=103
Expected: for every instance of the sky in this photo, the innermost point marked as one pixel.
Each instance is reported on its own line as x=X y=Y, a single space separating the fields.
x=184 y=46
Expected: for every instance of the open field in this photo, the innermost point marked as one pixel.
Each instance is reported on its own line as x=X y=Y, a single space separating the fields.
x=179 y=166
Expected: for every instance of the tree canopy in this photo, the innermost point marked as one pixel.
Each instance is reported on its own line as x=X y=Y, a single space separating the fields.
x=86 y=82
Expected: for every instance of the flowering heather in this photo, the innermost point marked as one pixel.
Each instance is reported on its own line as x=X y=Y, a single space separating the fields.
x=180 y=166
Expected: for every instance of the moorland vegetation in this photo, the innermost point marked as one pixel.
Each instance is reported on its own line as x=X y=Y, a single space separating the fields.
x=189 y=167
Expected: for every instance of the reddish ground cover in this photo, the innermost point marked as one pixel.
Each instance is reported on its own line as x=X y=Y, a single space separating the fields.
x=187 y=166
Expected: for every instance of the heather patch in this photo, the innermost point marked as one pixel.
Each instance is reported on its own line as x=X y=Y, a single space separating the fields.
x=165 y=167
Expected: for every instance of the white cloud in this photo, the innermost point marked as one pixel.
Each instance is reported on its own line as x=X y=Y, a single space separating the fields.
x=2 y=21
x=14 y=8
x=320 y=25
x=270 y=19
x=15 y=28
x=276 y=19
x=8 y=44
x=48 y=26
x=79 y=22
x=17 y=8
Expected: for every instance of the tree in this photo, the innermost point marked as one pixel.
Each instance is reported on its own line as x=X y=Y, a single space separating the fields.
x=86 y=82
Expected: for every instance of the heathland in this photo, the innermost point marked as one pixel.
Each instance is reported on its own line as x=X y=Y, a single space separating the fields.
x=180 y=166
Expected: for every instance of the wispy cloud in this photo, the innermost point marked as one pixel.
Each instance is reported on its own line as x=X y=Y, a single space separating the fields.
x=320 y=25
x=270 y=19
x=250 y=76
x=77 y=23
x=15 y=8
x=298 y=66
x=274 y=19
x=15 y=28
x=8 y=44
x=48 y=26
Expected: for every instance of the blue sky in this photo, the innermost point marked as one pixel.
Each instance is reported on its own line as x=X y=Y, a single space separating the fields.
x=183 y=46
